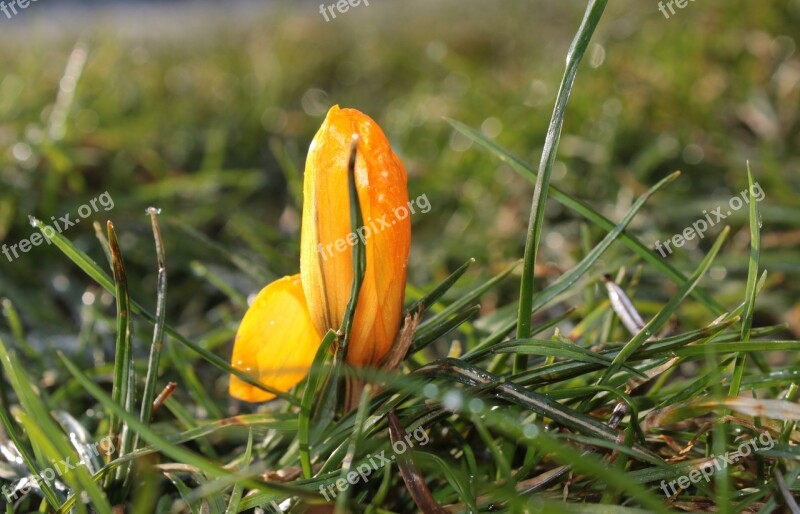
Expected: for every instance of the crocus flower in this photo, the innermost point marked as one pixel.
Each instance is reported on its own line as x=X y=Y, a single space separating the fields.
x=282 y=329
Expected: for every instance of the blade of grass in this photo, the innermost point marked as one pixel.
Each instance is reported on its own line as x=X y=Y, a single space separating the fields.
x=439 y=291
x=85 y=263
x=591 y=18
x=11 y=431
x=159 y=442
x=569 y=278
x=122 y=356
x=45 y=435
x=359 y=252
x=236 y=495
x=149 y=393
x=429 y=325
x=658 y=321
x=750 y=291
x=315 y=377
x=347 y=464
x=590 y=214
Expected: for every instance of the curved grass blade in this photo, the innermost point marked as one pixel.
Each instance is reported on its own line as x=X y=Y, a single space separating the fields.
x=535 y=402
x=85 y=263
x=162 y=444
x=11 y=431
x=569 y=351
x=578 y=47
x=564 y=370
x=589 y=213
x=442 y=329
x=658 y=321
x=45 y=434
x=429 y=325
x=359 y=253
x=440 y=290
x=569 y=278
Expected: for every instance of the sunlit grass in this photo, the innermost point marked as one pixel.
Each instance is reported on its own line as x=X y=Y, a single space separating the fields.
x=212 y=129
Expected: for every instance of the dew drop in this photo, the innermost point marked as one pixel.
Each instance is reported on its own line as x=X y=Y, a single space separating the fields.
x=453 y=400
x=476 y=405
x=430 y=391
x=530 y=431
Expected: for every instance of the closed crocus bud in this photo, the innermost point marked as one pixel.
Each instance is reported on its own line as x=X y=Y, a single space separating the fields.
x=281 y=331
x=326 y=260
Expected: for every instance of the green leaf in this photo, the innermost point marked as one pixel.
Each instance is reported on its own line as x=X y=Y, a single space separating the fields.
x=315 y=377
x=594 y=12
x=585 y=210
x=655 y=324
x=752 y=278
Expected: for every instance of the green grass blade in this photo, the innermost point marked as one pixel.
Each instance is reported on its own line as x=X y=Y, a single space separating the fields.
x=123 y=363
x=658 y=321
x=236 y=494
x=578 y=47
x=442 y=329
x=566 y=280
x=437 y=292
x=585 y=210
x=752 y=278
x=11 y=431
x=45 y=434
x=359 y=252
x=85 y=263
x=358 y=431
x=430 y=324
x=149 y=393
x=315 y=378
x=159 y=442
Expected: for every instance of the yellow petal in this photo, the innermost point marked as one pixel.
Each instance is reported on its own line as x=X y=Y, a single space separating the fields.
x=326 y=242
x=276 y=341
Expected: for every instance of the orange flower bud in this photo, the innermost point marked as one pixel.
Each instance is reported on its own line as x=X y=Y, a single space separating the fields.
x=281 y=332
x=326 y=261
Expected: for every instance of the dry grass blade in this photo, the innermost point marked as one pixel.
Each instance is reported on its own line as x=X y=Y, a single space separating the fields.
x=415 y=482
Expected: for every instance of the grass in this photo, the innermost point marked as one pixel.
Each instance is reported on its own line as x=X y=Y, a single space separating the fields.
x=630 y=372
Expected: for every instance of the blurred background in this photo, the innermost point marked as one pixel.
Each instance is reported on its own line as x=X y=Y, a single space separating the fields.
x=206 y=110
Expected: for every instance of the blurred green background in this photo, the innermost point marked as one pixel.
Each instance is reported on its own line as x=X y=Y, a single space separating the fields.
x=206 y=111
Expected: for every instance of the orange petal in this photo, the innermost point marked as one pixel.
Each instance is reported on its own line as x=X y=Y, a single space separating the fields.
x=326 y=243
x=276 y=341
